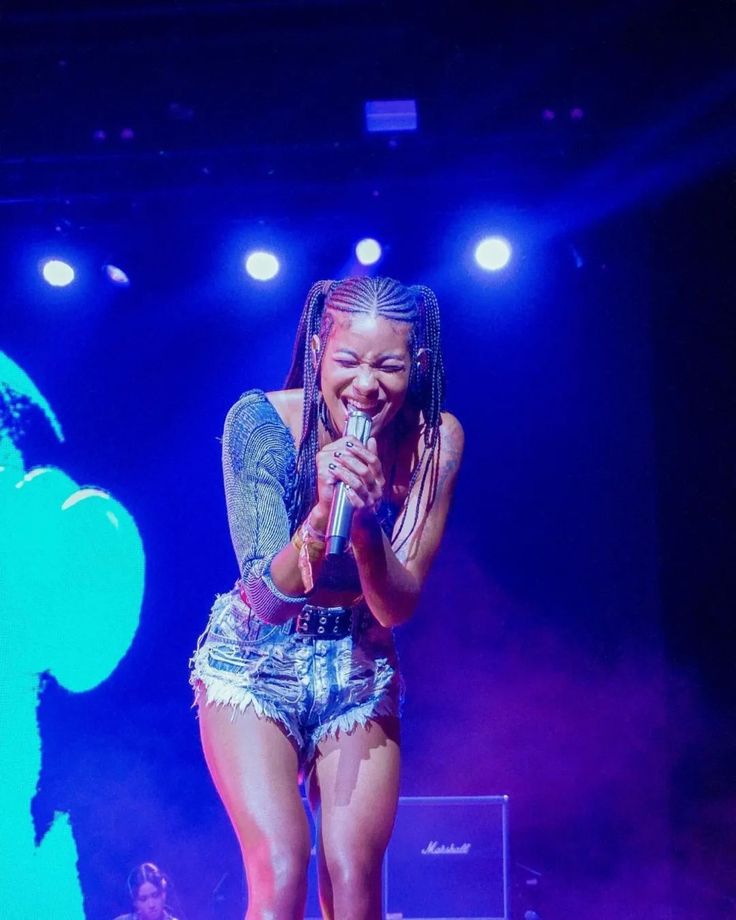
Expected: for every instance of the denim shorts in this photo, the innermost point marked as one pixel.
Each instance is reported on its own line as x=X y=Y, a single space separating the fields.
x=312 y=687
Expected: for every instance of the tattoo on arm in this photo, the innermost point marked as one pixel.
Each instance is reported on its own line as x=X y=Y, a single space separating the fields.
x=451 y=454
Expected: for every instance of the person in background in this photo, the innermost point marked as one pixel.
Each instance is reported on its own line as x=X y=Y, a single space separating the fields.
x=148 y=887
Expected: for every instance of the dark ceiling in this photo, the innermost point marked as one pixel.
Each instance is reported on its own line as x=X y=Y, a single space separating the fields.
x=142 y=95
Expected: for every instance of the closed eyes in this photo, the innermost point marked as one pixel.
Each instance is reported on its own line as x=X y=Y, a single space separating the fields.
x=388 y=368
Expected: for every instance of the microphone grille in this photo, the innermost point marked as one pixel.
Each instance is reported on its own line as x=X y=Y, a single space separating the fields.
x=358 y=426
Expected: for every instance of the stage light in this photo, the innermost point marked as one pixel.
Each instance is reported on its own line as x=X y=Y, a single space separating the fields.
x=493 y=253
x=57 y=273
x=262 y=265
x=391 y=115
x=368 y=251
x=116 y=275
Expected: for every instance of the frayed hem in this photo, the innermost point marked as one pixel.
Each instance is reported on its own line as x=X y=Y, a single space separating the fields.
x=222 y=694
x=357 y=717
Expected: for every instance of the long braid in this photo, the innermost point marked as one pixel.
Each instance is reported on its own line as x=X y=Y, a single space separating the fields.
x=428 y=388
x=384 y=297
x=304 y=372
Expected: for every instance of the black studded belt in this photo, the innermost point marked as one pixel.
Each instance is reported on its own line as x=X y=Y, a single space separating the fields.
x=327 y=622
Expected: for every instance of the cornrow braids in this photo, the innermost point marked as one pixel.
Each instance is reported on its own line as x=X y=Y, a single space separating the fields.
x=376 y=296
x=388 y=298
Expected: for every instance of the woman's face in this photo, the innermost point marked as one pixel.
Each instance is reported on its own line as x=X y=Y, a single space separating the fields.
x=149 y=904
x=365 y=366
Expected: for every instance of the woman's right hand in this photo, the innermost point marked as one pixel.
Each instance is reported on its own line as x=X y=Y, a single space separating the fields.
x=357 y=465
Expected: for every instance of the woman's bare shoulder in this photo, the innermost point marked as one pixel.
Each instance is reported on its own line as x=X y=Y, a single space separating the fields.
x=452 y=429
x=289 y=405
x=452 y=442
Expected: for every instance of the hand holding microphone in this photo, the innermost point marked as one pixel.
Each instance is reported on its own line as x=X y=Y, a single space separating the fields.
x=358 y=426
x=355 y=475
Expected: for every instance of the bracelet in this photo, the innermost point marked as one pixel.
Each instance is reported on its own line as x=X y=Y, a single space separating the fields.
x=310 y=549
x=311 y=531
x=313 y=548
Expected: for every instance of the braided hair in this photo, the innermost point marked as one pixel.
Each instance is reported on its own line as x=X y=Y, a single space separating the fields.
x=384 y=297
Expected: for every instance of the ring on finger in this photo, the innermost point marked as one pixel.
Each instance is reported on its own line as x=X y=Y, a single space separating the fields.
x=331 y=466
x=338 y=453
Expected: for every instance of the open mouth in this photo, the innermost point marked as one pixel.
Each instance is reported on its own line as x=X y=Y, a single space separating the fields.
x=371 y=409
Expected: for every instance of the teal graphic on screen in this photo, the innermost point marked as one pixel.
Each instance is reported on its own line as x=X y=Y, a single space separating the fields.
x=71 y=586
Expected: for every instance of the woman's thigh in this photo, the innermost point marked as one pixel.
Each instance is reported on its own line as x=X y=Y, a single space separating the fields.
x=357 y=775
x=254 y=767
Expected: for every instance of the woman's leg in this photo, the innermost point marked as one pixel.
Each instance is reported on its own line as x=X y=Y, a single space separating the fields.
x=254 y=767
x=357 y=776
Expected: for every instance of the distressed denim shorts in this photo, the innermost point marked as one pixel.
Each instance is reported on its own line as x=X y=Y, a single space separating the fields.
x=312 y=687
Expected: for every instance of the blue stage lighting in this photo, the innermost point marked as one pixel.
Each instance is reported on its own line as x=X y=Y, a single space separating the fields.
x=116 y=275
x=368 y=251
x=262 y=265
x=391 y=115
x=57 y=273
x=493 y=253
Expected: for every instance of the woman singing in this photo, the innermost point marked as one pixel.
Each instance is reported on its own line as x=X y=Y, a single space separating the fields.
x=296 y=673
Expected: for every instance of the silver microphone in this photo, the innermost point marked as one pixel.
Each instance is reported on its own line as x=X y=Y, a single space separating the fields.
x=358 y=426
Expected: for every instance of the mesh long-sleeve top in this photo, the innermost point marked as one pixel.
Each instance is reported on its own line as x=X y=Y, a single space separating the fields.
x=259 y=468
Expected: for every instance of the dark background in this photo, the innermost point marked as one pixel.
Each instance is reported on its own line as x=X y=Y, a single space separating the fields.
x=573 y=648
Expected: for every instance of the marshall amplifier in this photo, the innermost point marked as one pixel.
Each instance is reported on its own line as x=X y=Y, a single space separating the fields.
x=448 y=858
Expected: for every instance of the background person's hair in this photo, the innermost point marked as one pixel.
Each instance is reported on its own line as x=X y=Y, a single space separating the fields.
x=416 y=305
x=146 y=872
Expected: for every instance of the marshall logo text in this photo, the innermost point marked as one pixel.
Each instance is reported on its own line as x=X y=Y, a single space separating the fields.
x=435 y=848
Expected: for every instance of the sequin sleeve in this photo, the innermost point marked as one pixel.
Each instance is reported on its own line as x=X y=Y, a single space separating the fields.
x=258 y=465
